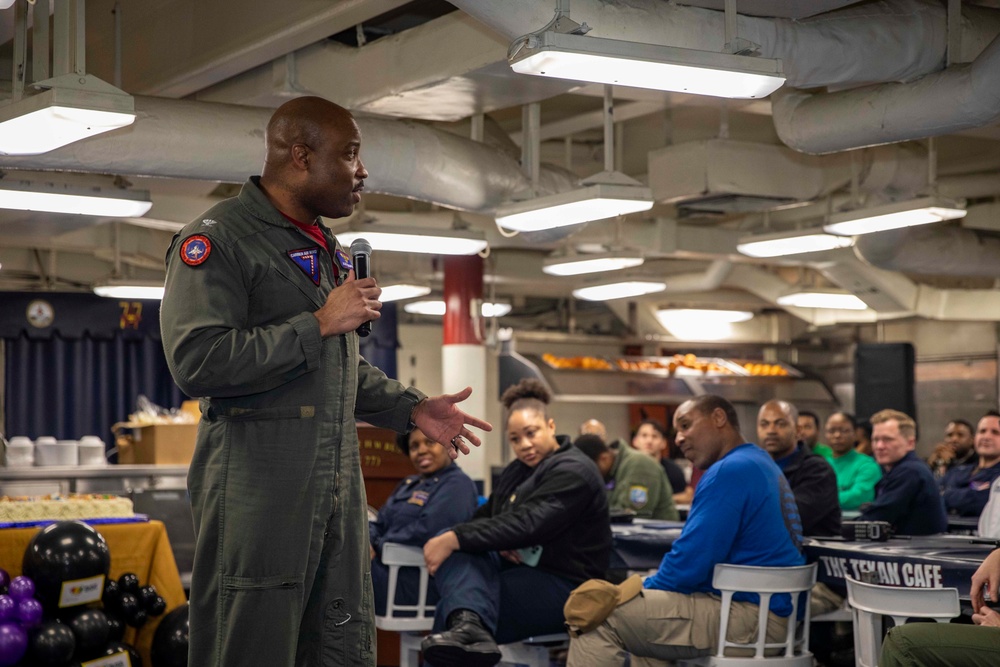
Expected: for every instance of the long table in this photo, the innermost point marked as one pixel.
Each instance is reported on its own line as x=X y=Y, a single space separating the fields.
x=933 y=561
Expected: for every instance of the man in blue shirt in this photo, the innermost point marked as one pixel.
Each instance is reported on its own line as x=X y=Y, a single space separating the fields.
x=743 y=512
x=907 y=495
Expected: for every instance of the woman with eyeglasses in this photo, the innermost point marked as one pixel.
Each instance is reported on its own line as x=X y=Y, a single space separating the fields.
x=857 y=473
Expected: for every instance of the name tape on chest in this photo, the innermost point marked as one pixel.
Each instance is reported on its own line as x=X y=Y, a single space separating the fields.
x=196 y=249
x=307 y=259
x=419 y=498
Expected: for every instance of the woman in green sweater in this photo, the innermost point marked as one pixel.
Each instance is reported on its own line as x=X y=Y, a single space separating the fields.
x=857 y=473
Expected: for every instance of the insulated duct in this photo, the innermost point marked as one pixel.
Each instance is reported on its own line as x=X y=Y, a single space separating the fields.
x=942 y=250
x=959 y=98
x=224 y=142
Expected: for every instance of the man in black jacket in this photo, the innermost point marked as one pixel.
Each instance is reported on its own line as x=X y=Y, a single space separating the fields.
x=812 y=479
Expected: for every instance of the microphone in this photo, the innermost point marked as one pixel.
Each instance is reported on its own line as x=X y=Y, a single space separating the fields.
x=361 y=256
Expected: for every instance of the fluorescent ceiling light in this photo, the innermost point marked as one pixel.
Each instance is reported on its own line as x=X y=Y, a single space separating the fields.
x=129 y=289
x=437 y=308
x=401 y=291
x=791 y=243
x=72 y=107
x=404 y=238
x=582 y=58
x=697 y=324
x=591 y=202
x=619 y=290
x=922 y=211
x=111 y=202
x=816 y=298
x=574 y=265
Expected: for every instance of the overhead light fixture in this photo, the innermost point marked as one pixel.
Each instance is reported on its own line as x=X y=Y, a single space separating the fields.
x=619 y=290
x=129 y=289
x=701 y=324
x=575 y=265
x=436 y=308
x=70 y=107
x=821 y=298
x=594 y=201
x=403 y=238
x=791 y=243
x=921 y=211
x=611 y=61
x=400 y=291
x=55 y=198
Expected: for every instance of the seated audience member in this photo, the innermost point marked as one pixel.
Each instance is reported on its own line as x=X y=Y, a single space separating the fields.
x=651 y=439
x=952 y=644
x=505 y=575
x=989 y=520
x=956 y=450
x=743 y=513
x=907 y=495
x=809 y=475
x=863 y=438
x=634 y=481
x=966 y=488
x=440 y=496
x=857 y=473
x=807 y=431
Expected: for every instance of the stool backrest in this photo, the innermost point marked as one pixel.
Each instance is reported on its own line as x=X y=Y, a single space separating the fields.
x=869 y=602
x=418 y=616
x=766 y=582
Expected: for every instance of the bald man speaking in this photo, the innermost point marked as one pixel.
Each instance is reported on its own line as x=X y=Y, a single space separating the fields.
x=258 y=320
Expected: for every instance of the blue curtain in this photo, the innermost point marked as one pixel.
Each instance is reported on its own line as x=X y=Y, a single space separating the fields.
x=76 y=387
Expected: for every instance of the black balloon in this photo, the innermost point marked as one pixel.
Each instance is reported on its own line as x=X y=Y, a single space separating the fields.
x=51 y=644
x=158 y=607
x=112 y=594
x=128 y=605
x=170 y=642
x=138 y=619
x=64 y=551
x=117 y=647
x=129 y=583
x=116 y=626
x=90 y=627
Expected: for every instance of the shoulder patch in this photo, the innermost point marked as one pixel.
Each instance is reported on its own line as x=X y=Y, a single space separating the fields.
x=638 y=496
x=195 y=249
x=307 y=259
x=345 y=262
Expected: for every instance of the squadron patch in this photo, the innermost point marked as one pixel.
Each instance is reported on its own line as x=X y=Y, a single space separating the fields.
x=307 y=259
x=195 y=249
x=345 y=262
x=638 y=496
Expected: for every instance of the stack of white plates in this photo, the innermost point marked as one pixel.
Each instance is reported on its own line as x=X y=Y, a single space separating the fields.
x=92 y=451
x=52 y=452
x=20 y=452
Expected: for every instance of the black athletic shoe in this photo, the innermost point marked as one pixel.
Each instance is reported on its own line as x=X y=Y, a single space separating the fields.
x=466 y=643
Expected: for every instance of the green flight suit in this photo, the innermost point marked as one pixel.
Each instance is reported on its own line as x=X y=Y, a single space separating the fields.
x=641 y=485
x=282 y=572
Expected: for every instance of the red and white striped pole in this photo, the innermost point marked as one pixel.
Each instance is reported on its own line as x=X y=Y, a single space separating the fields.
x=464 y=352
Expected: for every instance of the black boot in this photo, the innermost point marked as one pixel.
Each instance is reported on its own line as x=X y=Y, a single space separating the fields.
x=466 y=643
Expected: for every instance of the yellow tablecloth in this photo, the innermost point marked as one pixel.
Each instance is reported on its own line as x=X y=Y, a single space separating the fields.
x=142 y=548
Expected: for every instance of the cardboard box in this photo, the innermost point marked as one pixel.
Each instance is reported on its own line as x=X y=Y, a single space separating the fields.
x=171 y=444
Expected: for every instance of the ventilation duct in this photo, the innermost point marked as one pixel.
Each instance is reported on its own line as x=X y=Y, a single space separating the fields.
x=942 y=250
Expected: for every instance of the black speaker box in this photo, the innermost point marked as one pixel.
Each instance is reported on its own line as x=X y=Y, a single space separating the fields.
x=884 y=378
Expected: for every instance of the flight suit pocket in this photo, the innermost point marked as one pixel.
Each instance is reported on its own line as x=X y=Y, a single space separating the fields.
x=266 y=608
x=348 y=637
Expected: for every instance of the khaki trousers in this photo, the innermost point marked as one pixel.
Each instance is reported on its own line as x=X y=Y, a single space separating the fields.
x=657 y=626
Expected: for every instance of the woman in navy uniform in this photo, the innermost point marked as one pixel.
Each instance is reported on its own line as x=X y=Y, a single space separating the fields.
x=440 y=496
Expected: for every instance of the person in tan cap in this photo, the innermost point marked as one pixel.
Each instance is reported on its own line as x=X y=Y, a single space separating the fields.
x=743 y=513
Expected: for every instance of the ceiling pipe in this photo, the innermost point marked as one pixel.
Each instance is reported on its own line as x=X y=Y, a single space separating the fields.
x=225 y=142
x=887 y=40
x=959 y=98
x=942 y=250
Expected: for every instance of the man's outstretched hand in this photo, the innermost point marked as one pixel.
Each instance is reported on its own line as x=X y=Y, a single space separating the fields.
x=441 y=420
